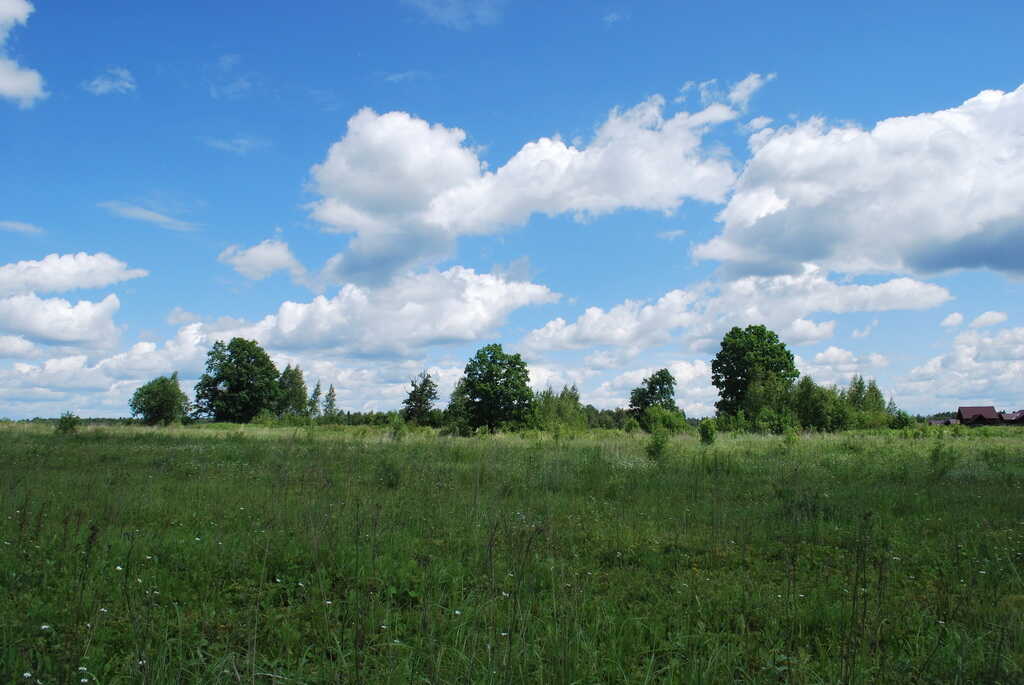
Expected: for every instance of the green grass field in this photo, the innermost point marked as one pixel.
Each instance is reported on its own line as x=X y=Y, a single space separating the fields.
x=231 y=554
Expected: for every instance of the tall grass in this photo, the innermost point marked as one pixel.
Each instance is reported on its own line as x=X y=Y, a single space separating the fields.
x=231 y=554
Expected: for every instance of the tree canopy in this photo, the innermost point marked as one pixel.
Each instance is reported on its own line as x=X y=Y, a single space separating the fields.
x=752 y=371
x=498 y=388
x=657 y=390
x=160 y=401
x=240 y=381
x=292 y=399
x=421 y=398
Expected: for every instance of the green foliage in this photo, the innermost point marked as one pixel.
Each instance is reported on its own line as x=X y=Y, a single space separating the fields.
x=498 y=387
x=396 y=427
x=160 y=401
x=292 y=393
x=631 y=425
x=657 y=445
x=657 y=390
x=330 y=404
x=315 y=398
x=558 y=412
x=657 y=417
x=457 y=417
x=264 y=418
x=707 y=430
x=900 y=420
x=68 y=423
x=751 y=361
x=420 y=401
x=240 y=380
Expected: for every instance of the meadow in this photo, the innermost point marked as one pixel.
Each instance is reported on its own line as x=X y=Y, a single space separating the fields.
x=217 y=554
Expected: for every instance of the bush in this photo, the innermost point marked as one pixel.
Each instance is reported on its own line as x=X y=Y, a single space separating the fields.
x=657 y=446
x=68 y=423
x=160 y=401
x=900 y=420
x=657 y=417
x=396 y=427
x=707 y=431
x=631 y=425
x=265 y=417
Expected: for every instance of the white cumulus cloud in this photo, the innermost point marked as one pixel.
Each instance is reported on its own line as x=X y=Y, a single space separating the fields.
x=836 y=365
x=59 y=273
x=953 y=320
x=706 y=311
x=980 y=369
x=411 y=312
x=915 y=194
x=24 y=86
x=57 y=321
x=989 y=319
x=262 y=260
x=408 y=189
x=740 y=94
x=17 y=347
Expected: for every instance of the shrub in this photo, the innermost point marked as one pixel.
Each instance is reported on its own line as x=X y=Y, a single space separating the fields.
x=657 y=417
x=657 y=446
x=707 y=430
x=792 y=436
x=68 y=423
x=899 y=420
x=265 y=417
x=631 y=425
x=396 y=427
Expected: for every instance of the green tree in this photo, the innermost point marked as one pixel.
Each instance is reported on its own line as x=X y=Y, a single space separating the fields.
x=751 y=357
x=458 y=418
x=421 y=398
x=657 y=390
x=331 y=404
x=160 y=401
x=560 y=411
x=856 y=392
x=874 y=400
x=498 y=387
x=240 y=381
x=314 y=402
x=292 y=396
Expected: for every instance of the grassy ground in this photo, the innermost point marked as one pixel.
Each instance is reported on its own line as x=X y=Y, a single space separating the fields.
x=224 y=554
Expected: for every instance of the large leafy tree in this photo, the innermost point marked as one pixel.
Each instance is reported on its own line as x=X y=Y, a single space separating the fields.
x=753 y=367
x=160 y=401
x=653 y=403
x=498 y=387
x=421 y=398
x=457 y=417
x=240 y=381
x=657 y=390
x=292 y=399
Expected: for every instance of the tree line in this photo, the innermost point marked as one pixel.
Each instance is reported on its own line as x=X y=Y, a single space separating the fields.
x=754 y=373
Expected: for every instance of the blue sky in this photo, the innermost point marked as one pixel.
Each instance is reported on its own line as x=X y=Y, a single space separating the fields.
x=604 y=187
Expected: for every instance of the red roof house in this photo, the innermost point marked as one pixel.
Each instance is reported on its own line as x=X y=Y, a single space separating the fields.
x=978 y=415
